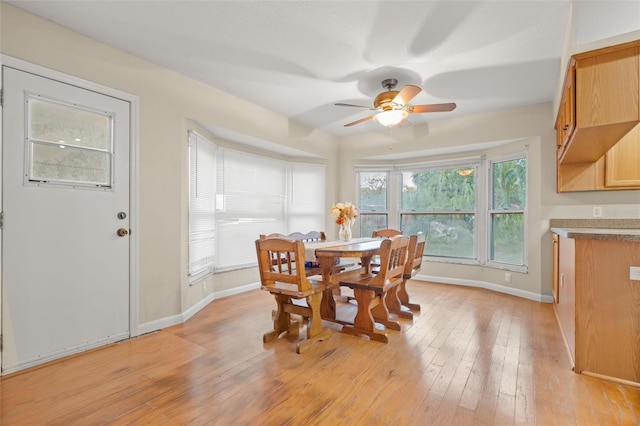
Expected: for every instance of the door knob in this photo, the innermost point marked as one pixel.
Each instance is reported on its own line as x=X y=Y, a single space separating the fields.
x=122 y=232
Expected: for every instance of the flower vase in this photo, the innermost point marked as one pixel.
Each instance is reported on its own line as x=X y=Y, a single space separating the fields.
x=344 y=234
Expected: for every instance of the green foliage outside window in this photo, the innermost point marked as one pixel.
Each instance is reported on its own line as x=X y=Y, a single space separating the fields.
x=437 y=190
x=444 y=203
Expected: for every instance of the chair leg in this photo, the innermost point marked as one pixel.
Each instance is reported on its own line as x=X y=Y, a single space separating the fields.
x=404 y=297
x=394 y=305
x=282 y=321
x=315 y=330
x=381 y=315
x=363 y=323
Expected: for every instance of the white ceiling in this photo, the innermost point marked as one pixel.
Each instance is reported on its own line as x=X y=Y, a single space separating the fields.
x=298 y=58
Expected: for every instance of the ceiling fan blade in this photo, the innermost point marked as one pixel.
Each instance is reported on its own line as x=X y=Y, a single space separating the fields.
x=362 y=120
x=432 y=108
x=407 y=93
x=352 y=105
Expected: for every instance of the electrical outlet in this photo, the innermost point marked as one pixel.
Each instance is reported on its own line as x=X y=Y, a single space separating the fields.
x=507 y=277
x=597 y=211
x=634 y=273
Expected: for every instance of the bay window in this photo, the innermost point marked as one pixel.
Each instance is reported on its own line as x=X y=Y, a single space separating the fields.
x=473 y=210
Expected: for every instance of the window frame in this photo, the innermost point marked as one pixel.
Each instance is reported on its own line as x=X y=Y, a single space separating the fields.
x=31 y=141
x=490 y=211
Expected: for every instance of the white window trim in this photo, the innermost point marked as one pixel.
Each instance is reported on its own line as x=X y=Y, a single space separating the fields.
x=487 y=221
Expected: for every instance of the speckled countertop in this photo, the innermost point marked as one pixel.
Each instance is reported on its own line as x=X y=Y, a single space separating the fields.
x=597 y=229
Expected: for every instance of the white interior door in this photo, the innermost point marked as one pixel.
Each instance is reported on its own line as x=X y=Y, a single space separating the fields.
x=65 y=195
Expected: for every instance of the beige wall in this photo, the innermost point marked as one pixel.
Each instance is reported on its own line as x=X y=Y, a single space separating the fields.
x=170 y=104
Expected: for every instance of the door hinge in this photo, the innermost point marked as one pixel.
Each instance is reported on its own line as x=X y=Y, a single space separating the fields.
x=1 y=97
x=1 y=343
x=1 y=220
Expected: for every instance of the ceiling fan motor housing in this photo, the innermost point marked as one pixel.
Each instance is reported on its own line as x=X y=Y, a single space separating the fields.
x=384 y=99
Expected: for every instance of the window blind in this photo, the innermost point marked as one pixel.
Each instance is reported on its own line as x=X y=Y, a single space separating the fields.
x=202 y=192
x=307 y=203
x=252 y=192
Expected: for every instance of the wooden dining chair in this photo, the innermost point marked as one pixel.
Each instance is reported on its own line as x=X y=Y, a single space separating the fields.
x=288 y=283
x=385 y=233
x=312 y=236
x=382 y=233
x=417 y=244
x=398 y=297
x=370 y=290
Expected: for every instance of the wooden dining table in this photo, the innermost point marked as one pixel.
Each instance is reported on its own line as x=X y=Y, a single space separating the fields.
x=327 y=254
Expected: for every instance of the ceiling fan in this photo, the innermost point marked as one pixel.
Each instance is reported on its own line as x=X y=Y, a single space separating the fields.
x=392 y=106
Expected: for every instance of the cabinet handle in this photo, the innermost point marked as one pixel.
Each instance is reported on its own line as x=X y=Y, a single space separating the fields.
x=565 y=127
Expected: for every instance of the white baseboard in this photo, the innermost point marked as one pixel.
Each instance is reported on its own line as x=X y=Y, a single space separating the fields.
x=180 y=318
x=544 y=298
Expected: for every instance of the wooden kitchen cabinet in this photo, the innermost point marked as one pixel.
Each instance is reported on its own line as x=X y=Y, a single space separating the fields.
x=598 y=306
x=607 y=101
x=622 y=165
x=618 y=169
x=598 y=119
x=565 y=123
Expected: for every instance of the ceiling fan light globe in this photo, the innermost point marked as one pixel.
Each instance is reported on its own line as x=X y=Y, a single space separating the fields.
x=391 y=117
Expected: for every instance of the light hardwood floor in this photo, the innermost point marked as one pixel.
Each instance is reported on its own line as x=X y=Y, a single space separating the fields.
x=471 y=356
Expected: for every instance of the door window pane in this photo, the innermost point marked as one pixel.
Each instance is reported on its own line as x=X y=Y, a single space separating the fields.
x=66 y=163
x=68 y=144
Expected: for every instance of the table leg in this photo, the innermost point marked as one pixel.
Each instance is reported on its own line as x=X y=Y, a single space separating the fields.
x=328 y=306
x=366 y=264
